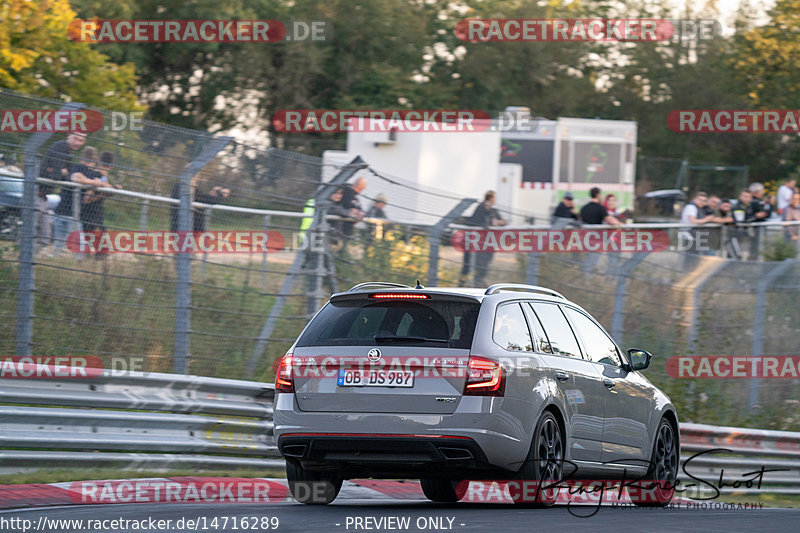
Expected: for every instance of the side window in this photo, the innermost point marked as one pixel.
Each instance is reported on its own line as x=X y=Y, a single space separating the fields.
x=541 y=344
x=562 y=340
x=511 y=329
x=599 y=347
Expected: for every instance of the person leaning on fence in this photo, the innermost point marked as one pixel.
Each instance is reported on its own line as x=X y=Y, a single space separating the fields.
x=55 y=166
x=485 y=215
x=594 y=212
x=785 y=193
x=92 y=208
x=84 y=173
x=565 y=214
x=375 y=216
x=693 y=214
x=791 y=213
x=216 y=195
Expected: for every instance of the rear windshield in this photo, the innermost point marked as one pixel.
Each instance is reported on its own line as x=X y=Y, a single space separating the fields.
x=359 y=322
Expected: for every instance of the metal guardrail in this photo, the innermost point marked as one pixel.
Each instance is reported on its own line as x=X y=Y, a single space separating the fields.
x=138 y=421
x=748 y=451
x=135 y=421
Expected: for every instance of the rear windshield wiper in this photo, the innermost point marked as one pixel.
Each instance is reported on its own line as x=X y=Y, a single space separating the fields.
x=398 y=338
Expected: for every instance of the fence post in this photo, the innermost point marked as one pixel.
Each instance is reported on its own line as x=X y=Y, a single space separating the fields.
x=206 y=225
x=532 y=269
x=183 y=296
x=25 y=285
x=435 y=235
x=143 y=215
x=759 y=317
x=623 y=273
x=697 y=290
x=267 y=223
x=320 y=196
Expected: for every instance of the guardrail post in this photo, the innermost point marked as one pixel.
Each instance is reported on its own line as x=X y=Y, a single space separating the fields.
x=435 y=235
x=183 y=296
x=759 y=317
x=25 y=284
x=623 y=273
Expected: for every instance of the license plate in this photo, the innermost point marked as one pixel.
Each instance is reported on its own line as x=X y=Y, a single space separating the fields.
x=375 y=378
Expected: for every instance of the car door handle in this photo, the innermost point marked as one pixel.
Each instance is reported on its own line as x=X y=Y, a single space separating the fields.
x=609 y=383
x=562 y=376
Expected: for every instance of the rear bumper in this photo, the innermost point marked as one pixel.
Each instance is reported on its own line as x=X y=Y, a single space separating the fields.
x=385 y=455
x=489 y=428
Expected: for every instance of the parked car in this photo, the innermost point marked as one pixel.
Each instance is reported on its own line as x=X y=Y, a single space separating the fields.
x=450 y=384
x=11 y=189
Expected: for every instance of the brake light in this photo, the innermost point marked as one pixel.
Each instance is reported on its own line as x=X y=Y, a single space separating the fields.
x=399 y=296
x=284 y=380
x=484 y=377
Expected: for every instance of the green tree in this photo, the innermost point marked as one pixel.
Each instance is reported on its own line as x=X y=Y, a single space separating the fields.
x=37 y=57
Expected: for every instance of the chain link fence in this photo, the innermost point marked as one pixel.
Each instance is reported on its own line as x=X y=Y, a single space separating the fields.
x=231 y=314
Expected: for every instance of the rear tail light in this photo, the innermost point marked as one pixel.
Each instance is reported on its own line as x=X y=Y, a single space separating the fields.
x=484 y=377
x=284 y=380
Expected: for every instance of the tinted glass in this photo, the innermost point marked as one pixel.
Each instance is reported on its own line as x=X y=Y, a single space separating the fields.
x=511 y=329
x=540 y=342
x=562 y=340
x=358 y=322
x=597 y=345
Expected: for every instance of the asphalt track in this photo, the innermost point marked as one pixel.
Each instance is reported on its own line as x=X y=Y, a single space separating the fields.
x=421 y=515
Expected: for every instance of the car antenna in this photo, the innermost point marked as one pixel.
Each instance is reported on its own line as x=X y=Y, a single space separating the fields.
x=419 y=285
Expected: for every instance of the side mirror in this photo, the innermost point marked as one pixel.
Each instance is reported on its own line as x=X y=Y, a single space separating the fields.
x=639 y=359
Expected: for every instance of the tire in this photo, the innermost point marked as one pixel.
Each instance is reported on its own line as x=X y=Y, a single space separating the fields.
x=658 y=485
x=440 y=490
x=545 y=463
x=312 y=487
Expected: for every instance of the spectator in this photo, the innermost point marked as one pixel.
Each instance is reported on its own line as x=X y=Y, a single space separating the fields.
x=785 y=193
x=791 y=213
x=215 y=196
x=84 y=173
x=565 y=213
x=595 y=213
x=10 y=163
x=349 y=205
x=743 y=209
x=694 y=215
x=92 y=209
x=55 y=166
x=711 y=207
x=485 y=215
x=376 y=211
x=768 y=205
x=757 y=192
x=377 y=208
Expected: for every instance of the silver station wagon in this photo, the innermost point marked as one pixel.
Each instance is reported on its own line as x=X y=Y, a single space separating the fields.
x=440 y=384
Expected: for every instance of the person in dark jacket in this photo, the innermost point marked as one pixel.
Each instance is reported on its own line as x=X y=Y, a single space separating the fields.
x=484 y=216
